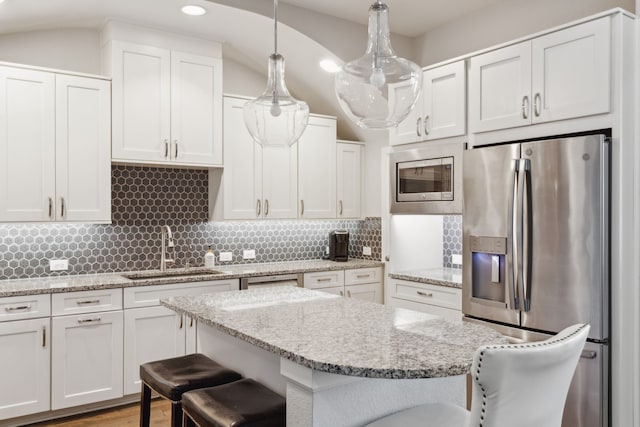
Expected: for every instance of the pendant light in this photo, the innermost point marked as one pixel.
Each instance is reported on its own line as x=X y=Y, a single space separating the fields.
x=379 y=89
x=275 y=117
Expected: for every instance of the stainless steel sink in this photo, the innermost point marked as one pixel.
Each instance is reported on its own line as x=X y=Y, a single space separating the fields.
x=170 y=274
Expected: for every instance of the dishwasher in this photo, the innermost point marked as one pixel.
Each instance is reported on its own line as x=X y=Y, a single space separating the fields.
x=271 y=281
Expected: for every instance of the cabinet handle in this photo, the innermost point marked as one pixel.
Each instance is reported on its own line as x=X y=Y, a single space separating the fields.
x=191 y=321
x=424 y=294
x=326 y=279
x=89 y=302
x=266 y=207
x=349 y=294
x=362 y=276
x=341 y=293
x=418 y=126
x=94 y=319
x=50 y=207
x=258 y=207
x=175 y=144
x=387 y=259
x=166 y=148
x=525 y=107
x=181 y=321
x=340 y=207
x=18 y=308
x=537 y=101
x=301 y=207
x=426 y=125
x=62 y=207
x=44 y=336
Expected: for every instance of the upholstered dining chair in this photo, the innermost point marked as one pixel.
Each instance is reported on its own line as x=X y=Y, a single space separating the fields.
x=514 y=385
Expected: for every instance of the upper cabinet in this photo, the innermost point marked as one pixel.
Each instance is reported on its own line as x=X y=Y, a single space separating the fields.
x=54 y=141
x=167 y=106
x=349 y=180
x=558 y=76
x=440 y=112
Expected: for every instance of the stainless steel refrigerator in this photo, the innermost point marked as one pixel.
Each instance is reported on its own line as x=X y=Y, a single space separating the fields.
x=536 y=252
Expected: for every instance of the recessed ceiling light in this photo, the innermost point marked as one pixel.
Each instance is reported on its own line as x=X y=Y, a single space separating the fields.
x=330 y=66
x=190 y=9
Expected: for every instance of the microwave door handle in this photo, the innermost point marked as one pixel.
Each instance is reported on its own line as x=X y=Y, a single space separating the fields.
x=513 y=237
x=527 y=229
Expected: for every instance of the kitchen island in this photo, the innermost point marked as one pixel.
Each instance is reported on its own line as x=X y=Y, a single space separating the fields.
x=339 y=361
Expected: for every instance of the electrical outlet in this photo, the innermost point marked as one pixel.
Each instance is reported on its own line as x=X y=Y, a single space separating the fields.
x=58 y=264
x=456 y=259
x=226 y=256
x=326 y=250
x=366 y=250
x=249 y=254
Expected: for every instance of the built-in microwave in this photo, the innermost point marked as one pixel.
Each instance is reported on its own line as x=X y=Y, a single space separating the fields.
x=427 y=180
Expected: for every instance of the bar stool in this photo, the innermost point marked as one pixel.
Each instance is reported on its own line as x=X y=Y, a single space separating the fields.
x=241 y=403
x=170 y=378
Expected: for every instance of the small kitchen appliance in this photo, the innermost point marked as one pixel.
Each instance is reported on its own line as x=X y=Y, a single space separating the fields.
x=339 y=245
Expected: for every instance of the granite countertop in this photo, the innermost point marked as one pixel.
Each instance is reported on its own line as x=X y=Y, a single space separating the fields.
x=86 y=282
x=450 y=277
x=341 y=335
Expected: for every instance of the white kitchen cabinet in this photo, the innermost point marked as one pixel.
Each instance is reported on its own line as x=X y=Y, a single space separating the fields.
x=259 y=182
x=440 y=112
x=86 y=358
x=317 y=169
x=561 y=75
x=25 y=368
x=167 y=106
x=349 y=180
x=433 y=299
x=359 y=283
x=54 y=139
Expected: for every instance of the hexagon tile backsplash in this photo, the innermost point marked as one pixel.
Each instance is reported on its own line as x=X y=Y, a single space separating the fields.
x=145 y=198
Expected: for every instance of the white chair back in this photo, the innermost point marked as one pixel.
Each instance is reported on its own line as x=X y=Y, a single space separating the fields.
x=525 y=385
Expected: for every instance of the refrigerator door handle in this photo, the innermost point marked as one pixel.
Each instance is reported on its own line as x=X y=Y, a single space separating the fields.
x=513 y=235
x=526 y=229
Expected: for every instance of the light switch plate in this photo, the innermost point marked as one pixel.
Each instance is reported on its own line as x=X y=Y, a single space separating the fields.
x=456 y=259
x=249 y=254
x=226 y=256
x=58 y=264
x=366 y=250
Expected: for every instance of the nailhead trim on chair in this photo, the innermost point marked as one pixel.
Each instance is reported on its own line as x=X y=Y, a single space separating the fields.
x=516 y=347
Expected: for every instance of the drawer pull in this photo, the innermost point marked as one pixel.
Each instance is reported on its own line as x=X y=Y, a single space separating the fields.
x=93 y=319
x=326 y=279
x=18 y=308
x=44 y=336
x=341 y=293
x=89 y=302
x=363 y=276
x=181 y=322
x=349 y=294
x=424 y=294
x=191 y=322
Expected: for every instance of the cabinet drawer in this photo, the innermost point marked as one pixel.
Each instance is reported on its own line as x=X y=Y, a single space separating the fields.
x=324 y=279
x=86 y=302
x=147 y=296
x=447 y=313
x=363 y=275
x=428 y=294
x=25 y=307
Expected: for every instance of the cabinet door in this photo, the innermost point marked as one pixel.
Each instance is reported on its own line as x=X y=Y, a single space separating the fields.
x=86 y=359
x=25 y=368
x=349 y=180
x=499 y=88
x=27 y=145
x=242 y=179
x=141 y=103
x=196 y=109
x=279 y=181
x=444 y=98
x=411 y=129
x=371 y=292
x=83 y=154
x=317 y=166
x=151 y=333
x=571 y=72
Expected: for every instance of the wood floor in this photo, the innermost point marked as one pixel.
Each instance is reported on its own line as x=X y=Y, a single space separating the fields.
x=124 y=416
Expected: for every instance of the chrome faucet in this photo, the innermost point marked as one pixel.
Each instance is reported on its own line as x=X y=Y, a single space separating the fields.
x=167 y=242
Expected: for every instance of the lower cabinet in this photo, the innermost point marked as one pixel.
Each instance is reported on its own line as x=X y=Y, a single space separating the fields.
x=86 y=358
x=25 y=347
x=433 y=299
x=359 y=283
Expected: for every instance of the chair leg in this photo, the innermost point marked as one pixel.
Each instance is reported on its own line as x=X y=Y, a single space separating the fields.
x=176 y=414
x=187 y=421
x=145 y=406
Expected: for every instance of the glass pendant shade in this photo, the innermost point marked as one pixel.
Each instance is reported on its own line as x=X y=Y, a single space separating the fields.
x=379 y=89
x=275 y=117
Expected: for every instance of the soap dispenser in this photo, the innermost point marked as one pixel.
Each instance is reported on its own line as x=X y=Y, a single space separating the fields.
x=209 y=259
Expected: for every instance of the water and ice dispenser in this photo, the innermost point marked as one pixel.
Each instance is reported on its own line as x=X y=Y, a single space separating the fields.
x=488 y=261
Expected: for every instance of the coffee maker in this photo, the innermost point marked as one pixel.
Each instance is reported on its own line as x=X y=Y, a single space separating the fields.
x=339 y=245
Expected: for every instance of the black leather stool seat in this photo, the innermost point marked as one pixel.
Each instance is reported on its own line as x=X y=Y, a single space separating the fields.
x=172 y=377
x=241 y=403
